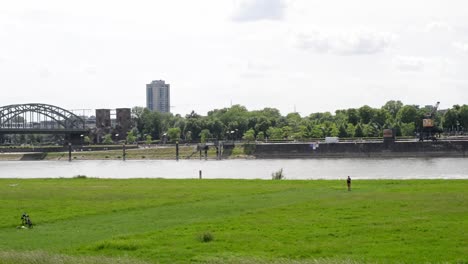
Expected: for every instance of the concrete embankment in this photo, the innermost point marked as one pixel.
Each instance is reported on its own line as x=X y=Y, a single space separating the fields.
x=362 y=150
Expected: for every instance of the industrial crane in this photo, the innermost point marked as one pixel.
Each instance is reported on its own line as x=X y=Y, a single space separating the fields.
x=429 y=130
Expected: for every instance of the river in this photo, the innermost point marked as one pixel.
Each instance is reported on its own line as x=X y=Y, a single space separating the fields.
x=396 y=168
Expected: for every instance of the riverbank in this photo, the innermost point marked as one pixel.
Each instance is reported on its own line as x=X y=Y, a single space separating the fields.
x=310 y=150
x=237 y=221
x=148 y=153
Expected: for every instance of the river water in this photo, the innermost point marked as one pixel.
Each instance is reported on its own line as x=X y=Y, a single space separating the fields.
x=395 y=168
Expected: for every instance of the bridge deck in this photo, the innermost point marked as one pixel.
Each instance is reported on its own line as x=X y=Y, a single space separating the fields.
x=40 y=131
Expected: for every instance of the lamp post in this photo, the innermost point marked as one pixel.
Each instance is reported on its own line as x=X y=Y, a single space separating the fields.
x=123 y=150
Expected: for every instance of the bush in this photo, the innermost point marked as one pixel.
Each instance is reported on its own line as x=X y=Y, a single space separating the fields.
x=80 y=177
x=278 y=175
x=206 y=237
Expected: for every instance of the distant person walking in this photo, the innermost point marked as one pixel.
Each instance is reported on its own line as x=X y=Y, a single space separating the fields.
x=348 y=182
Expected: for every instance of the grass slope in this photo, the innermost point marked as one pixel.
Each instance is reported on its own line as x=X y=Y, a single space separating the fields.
x=251 y=221
x=159 y=153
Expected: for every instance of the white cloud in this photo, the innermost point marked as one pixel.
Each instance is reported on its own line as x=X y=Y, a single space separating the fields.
x=409 y=64
x=461 y=46
x=356 y=43
x=438 y=26
x=253 y=10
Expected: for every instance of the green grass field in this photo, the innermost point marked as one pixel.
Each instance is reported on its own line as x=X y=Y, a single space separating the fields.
x=234 y=221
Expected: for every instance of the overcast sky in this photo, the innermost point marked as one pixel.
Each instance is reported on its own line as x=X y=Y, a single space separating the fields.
x=310 y=55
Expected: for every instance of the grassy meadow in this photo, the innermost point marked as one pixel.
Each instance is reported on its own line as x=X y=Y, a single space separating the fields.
x=87 y=220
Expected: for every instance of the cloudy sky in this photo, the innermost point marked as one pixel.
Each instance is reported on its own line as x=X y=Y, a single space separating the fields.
x=307 y=55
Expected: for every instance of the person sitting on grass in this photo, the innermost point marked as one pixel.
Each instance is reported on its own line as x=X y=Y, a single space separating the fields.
x=26 y=221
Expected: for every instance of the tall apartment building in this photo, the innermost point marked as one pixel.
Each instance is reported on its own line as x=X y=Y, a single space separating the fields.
x=158 y=95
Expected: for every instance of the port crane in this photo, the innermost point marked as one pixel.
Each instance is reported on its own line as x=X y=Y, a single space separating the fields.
x=429 y=129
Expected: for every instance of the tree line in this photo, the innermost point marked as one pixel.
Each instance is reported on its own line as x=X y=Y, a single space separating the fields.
x=236 y=122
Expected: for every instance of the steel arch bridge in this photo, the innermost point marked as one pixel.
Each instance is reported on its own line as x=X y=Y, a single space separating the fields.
x=39 y=119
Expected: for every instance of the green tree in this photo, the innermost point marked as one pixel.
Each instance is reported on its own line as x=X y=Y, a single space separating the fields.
x=393 y=107
x=204 y=135
x=407 y=129
x=317 y=131
x=463 y=116
x=358 y=132
x=450 y=119
x=366 y=114
x=174 y=134
x=301 y=133
x=350 y=129
x=148 y=139
x=342 y=133
x=249 y=135
x=261 y=135
x=131 y=137
x=107 y=139
x=287 y=132
x=408 y=114
x=353 y=116
x=275 y=133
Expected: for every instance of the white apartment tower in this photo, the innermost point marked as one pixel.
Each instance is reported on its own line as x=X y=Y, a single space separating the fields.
x=158 y=95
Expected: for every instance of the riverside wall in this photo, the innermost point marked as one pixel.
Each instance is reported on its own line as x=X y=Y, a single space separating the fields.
x=63 y=149
x=361 y=150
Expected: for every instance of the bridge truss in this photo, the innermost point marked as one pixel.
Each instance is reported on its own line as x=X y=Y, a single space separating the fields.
x=39 y=119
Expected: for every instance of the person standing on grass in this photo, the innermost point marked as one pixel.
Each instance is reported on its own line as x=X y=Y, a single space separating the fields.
x=348 y=182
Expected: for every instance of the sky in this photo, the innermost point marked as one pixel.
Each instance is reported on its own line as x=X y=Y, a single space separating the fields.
x=294 y=55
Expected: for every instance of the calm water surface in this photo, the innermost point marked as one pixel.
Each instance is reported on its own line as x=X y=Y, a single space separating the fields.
x=407 y=168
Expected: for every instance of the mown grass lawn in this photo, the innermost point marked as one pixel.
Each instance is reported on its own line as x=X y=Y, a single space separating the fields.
x=250 y=221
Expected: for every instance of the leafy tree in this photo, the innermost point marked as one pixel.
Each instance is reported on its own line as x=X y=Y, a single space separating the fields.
x=342 y=133
x=407 y=129
x=275 y=133
x=216 y=127
x=137 y=113
x=463 y=116
x=450 y=119
x=301 y=133
x=358 y=132
x=381 y=117
x=353 y=116
x=366 y=114
x=262 y=124
x=317 y=131
x=393 y=107
x=249 y=135
x=350 y=129
x=287 y=132
x=204 y=135
x=174 y=133
x=107 y=139
x=188 y=136
x=131 y=137
x=408 y=114
x=261 y=135
x=148 y=139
